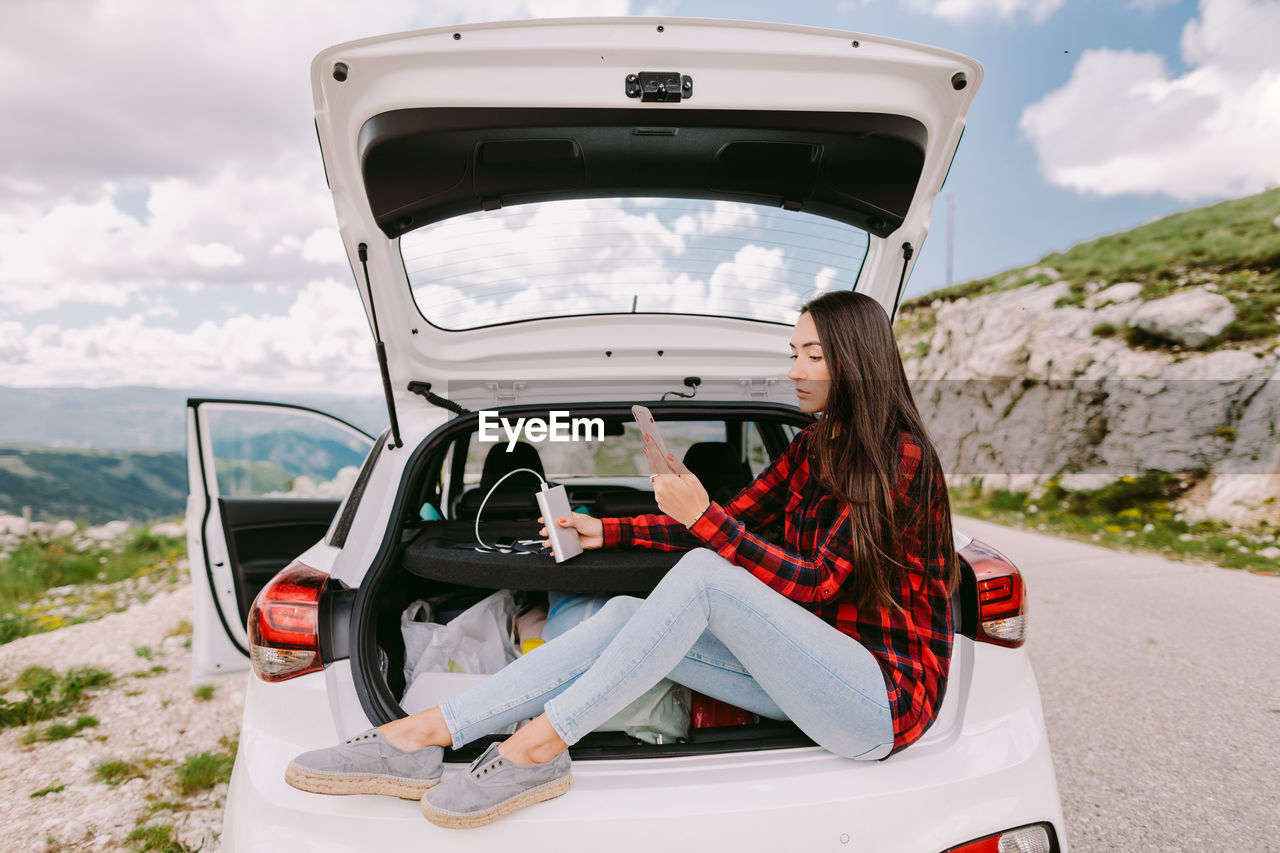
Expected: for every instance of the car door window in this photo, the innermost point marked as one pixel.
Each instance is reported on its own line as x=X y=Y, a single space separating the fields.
x=283 y=454
x=757 y=453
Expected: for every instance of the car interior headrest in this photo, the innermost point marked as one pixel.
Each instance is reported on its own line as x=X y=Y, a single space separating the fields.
x=500 y=461
x=717 y=465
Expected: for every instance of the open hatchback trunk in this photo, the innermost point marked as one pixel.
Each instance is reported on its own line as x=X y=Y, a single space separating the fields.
x=580 y=209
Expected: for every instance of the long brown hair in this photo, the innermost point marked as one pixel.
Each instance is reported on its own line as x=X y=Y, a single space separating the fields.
x=854 y=450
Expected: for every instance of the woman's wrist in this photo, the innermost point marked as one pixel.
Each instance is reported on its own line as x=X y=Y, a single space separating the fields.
x=699 y=516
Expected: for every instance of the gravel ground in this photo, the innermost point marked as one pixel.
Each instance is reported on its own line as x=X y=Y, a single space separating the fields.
x=149 y=715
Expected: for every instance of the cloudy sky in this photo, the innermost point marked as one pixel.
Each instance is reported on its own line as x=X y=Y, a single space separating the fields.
x=164 y=219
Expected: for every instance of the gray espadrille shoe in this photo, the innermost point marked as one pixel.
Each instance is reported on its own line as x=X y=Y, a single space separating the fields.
x=367 y=764
x=492 y=787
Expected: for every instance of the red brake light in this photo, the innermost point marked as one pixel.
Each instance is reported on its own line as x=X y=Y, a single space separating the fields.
x=284 y=641
x=1002 y=600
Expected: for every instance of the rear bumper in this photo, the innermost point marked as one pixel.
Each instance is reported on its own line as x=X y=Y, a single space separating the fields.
x=991 y=772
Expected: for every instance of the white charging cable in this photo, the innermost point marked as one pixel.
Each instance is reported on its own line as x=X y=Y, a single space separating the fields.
x=484 y=546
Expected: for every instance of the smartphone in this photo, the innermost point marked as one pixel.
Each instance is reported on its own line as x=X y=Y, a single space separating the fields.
x=661 y=460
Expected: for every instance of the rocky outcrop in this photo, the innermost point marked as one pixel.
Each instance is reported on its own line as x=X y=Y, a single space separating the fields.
x=1190 y=318
x=1020 y=389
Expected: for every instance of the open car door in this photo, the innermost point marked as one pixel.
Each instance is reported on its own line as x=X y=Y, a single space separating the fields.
x=264 y=483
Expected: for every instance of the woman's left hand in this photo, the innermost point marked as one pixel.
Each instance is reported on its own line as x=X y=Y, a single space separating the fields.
x=680 y=496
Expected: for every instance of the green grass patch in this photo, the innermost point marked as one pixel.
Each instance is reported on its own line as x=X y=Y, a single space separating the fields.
x=144 y=652
x=1233 y=245
x=59 y=731
x=158 y=838
x=28 y=572
x=158 y=669
x=977 y=287
x=14 y=624
x=207 y=769
x=1138 y=339
x=1105 y=330
x=1232 y=235
x=46 y=694
x=182 y=629
x=204 y=692
x=35 y=567
x=44 y=792
x=119 y=770
x=1130 y=513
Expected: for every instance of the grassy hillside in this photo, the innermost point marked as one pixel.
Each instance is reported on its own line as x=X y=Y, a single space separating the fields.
x=1233 y=246
x=93 y=486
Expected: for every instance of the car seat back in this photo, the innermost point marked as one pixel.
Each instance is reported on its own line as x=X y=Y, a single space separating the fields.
x=515 y=497
x=719 y=467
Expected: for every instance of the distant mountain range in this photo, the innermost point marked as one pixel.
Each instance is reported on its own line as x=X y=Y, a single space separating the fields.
x=100 y=454
x=137 y=418
x=93 y=486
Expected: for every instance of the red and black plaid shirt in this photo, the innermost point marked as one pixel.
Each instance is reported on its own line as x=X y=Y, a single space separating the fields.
x=912 y=645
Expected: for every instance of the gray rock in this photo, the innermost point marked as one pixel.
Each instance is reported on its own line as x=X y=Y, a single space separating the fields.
x=1189 y=318
x=1047 y=272
x=1028 y=274
x=1116 y=293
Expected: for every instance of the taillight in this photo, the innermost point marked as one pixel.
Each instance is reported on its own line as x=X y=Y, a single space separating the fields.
x=284 y=640
x=1002 y=600
x=1024 y=839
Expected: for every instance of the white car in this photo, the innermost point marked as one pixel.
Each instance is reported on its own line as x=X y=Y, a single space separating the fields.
x=574 y=216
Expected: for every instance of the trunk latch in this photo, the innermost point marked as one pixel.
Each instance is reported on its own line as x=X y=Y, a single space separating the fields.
x=659 y=86
x=505 y=395
x=758 y=387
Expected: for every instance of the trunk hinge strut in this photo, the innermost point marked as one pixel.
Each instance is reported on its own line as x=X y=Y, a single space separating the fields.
x=907 y=252
x=423 y=389
x=363 y=250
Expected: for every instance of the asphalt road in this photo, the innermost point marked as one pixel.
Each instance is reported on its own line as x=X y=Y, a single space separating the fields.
x=1161 y=689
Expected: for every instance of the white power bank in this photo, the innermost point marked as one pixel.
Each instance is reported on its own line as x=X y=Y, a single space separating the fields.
x=554 y=504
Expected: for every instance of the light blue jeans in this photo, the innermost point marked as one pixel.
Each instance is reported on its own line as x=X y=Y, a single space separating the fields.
x=710 y=625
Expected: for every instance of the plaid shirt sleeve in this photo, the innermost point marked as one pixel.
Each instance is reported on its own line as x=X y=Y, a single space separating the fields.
x=807 y=580
x=759 y=504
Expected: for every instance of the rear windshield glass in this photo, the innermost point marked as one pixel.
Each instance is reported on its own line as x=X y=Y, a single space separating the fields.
x=632 y=255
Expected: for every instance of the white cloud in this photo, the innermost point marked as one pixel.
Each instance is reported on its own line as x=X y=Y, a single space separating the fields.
x=722 y=217
x=1124 y=124
x=228 y=229
x=527 y=261
x=155 y=145
x=969 y=10
x=324 y=245
x=214 y=255
x=753 y=284
x=132 y=92
x=322 y=343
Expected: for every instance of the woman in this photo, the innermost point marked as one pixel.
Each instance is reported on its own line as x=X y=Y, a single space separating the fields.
x=845 y=628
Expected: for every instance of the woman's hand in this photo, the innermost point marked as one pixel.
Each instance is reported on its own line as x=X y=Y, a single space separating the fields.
x=590 y=530
x=680 y=496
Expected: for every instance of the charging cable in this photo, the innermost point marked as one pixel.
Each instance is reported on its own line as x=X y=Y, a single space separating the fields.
x=484 y=546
